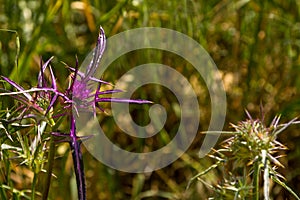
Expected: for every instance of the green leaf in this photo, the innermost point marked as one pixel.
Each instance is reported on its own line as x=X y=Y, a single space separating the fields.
x=9 y=147
x=5 y=131
x=274 y=178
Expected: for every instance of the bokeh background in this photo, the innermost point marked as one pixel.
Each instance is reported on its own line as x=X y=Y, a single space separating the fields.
x=255 y=45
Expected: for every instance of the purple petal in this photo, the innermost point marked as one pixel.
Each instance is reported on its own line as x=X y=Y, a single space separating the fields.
x=17 y=97
x=100 y=81
x=74 y=77
x=108 y=92
x=97 y=54
x=41 y=79
x=53 y=100
x=74 y=70
x=52 y=78
x=100 y=108
x=58 y=134
x=117 y=100
x=18 y=87
x=82 y=75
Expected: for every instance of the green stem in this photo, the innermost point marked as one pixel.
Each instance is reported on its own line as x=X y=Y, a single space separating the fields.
x=256 y=181
x=51 y=156
x=33 y=186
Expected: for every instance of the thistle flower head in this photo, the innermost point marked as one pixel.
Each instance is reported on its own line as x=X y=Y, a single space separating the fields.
x=249 y=156
x=82 y=89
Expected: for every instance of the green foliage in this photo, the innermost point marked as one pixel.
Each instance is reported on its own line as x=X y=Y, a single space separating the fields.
x=255 y=44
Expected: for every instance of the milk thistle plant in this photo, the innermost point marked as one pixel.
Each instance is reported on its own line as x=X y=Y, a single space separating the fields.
x=29 y=129
x=248 y=160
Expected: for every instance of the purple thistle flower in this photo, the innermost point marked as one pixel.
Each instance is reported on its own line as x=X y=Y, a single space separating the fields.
x=83 y=97
x=78 y=96
x=80 y=90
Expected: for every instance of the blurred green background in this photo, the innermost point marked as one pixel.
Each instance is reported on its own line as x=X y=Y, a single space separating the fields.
x=255 y=45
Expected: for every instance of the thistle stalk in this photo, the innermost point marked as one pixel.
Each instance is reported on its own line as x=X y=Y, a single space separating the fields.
x=78 y=161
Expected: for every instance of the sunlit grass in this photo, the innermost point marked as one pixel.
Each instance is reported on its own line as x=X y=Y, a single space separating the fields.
x=255 y=45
